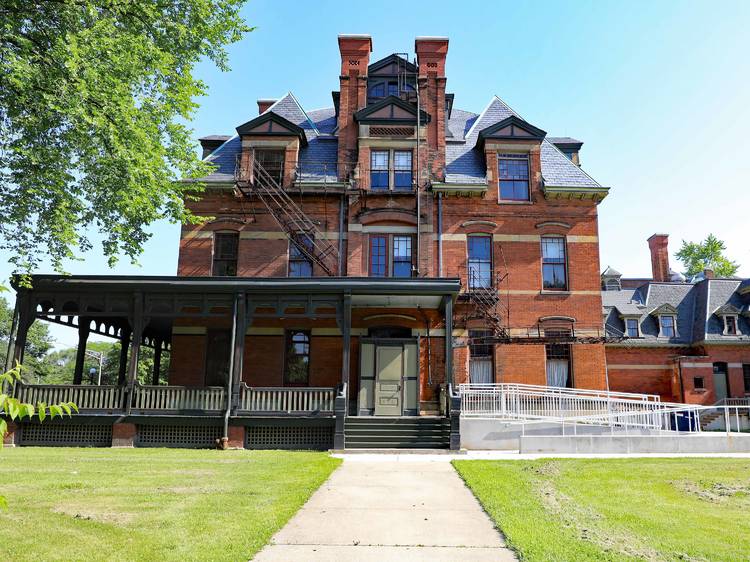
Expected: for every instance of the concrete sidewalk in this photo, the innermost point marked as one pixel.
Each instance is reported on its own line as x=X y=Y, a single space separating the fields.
x=417 y=510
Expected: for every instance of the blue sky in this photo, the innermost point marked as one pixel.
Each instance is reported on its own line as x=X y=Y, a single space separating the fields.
x=658 y=92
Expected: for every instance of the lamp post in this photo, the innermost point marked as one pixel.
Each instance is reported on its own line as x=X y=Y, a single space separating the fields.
x=99 y=356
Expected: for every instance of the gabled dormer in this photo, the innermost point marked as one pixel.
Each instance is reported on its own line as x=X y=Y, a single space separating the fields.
x=391 y=110
x=666 y=316
x=391 y=76
x=512 y=128
x=270 y=124
x=729 y=316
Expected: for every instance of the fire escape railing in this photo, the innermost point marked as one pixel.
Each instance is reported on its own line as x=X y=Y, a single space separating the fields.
x=302 y=231
x=484 y=295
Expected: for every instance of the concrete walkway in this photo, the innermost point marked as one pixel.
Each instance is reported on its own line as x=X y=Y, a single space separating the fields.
x=415 y=509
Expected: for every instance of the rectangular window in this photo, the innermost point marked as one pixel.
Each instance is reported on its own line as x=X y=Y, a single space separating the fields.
x=272 y=161
x=698 y=382
x=391 y=255
x=513 y=172
x=300 y=249
x=297 y=367
x=558 y=365
x=379 y=256
x=480 y=262
x=666 y=324
x=632 y=327
x=379 y=165
x=554 y=266
x=402 y=179
x=226 y=246
x=402 y=264
x=480 y=357
x=730 y=325
x=746 y=377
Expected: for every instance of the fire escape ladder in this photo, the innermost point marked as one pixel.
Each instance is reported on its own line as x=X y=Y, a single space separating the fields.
x=486 y=300
x=302 y=231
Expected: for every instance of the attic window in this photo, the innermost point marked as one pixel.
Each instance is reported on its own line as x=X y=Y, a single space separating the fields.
x=631 y=328
x=612 y=284
x=667 y=327
x=513 y=171
x=730 y=325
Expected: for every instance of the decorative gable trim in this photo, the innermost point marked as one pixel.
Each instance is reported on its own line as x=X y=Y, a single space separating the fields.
x=511 y=128
x=664 y=310
x=273 y=125
x=377 y=68
x=390 y=110
x=727 y=310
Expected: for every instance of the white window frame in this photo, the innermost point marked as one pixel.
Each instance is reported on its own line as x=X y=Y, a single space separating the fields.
x=725 y=331
x=637 y=326
x=674 y=325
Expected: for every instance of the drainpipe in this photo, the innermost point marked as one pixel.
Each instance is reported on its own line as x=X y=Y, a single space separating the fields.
x=341 y=235
x=419 y=205
x=230 y=377
x=440 y=234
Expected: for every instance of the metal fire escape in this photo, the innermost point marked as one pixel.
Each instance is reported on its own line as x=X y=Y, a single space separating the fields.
x=488 y=305
x=301 y=230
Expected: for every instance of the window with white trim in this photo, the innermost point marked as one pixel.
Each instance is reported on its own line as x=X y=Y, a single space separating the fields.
x=554 y=264
x=730 y=325
x=667 y=326
x=631 y=327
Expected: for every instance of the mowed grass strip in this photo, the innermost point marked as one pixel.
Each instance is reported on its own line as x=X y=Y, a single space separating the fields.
x=150 y=504
x=617 y=509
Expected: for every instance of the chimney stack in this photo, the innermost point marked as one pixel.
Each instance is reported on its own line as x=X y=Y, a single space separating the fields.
x=355 y=57
x=264 y=104
x=431 y=55
x=658 y=244
x=708 y=273
x=211 y=143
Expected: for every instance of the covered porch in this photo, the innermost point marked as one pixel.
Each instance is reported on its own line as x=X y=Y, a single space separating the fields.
x=243 y=350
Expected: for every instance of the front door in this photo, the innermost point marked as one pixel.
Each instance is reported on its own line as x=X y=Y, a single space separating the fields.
x=389 y=369
x=720 y=381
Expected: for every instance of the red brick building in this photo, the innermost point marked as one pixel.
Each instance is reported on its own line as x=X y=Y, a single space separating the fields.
x=389 y=245
x=685 y=340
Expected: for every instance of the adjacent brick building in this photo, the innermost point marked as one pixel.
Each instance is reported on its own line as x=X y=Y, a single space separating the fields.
x=688 y=341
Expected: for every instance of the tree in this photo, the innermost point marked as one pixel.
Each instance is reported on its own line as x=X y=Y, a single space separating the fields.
x=94 y=96
x=39 y=342
x=709 y=254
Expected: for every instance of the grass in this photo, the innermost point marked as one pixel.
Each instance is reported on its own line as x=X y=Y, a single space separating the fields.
x=617 y=509
x=150 y=504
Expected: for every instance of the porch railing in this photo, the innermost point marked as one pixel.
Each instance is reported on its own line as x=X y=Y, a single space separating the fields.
x=85 y=397
x=291 y=400
x=208 y=399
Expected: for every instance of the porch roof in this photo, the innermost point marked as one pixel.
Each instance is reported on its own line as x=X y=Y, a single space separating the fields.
x=268 y=285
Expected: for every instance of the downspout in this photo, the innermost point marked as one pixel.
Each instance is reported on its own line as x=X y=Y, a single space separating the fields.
x=419 y=205
x=440 y=235
x=230 y=377
x=341 y=235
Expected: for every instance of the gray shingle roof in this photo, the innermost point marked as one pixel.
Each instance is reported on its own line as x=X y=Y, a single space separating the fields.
x=696 y=305
x=464 y=163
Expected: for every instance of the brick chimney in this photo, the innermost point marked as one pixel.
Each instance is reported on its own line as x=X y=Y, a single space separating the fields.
x=708 y=273
x=658 y=244
x=355 y=56
x=431 y=55
x=264 y=104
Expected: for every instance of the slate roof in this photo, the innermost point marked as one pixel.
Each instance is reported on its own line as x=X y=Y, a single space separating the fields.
x=696 y=305
x=464 y=163
x=564 y=140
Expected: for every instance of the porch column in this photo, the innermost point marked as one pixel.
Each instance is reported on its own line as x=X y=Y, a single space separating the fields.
x=346 y=330
x=449 y=340
x=25 y=319
x=83 y=337
x=238 y=348
x=157 y=362
x=138 y=323
x=124 y=345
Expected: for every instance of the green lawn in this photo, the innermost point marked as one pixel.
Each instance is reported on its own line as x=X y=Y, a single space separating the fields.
x=617 y=509
x=150 y=504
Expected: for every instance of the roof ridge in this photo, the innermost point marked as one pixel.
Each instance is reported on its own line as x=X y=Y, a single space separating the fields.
x=304 y=112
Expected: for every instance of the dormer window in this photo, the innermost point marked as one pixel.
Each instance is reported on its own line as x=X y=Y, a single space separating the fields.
x=667 y=327
x=377 y=90
x=632 y=329
x=513 y=172
x=730 y=325
x=384 y=176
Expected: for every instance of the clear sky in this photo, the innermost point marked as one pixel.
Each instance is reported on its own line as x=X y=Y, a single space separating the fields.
x=659 y=92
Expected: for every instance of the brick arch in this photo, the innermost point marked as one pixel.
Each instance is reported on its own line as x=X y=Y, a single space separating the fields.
x=401 y=216
x=553 y=228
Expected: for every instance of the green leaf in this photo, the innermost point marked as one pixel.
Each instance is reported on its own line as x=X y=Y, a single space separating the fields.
x=3 y=503
x=65 y=407
x=28 y=410
x=55 y=410
x=73 y=407
x=3 y=429
x=41 y=408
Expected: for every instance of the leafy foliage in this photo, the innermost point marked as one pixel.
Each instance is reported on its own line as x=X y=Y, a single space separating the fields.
x=94 y=95
x=709 y=254
x=39 y=341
